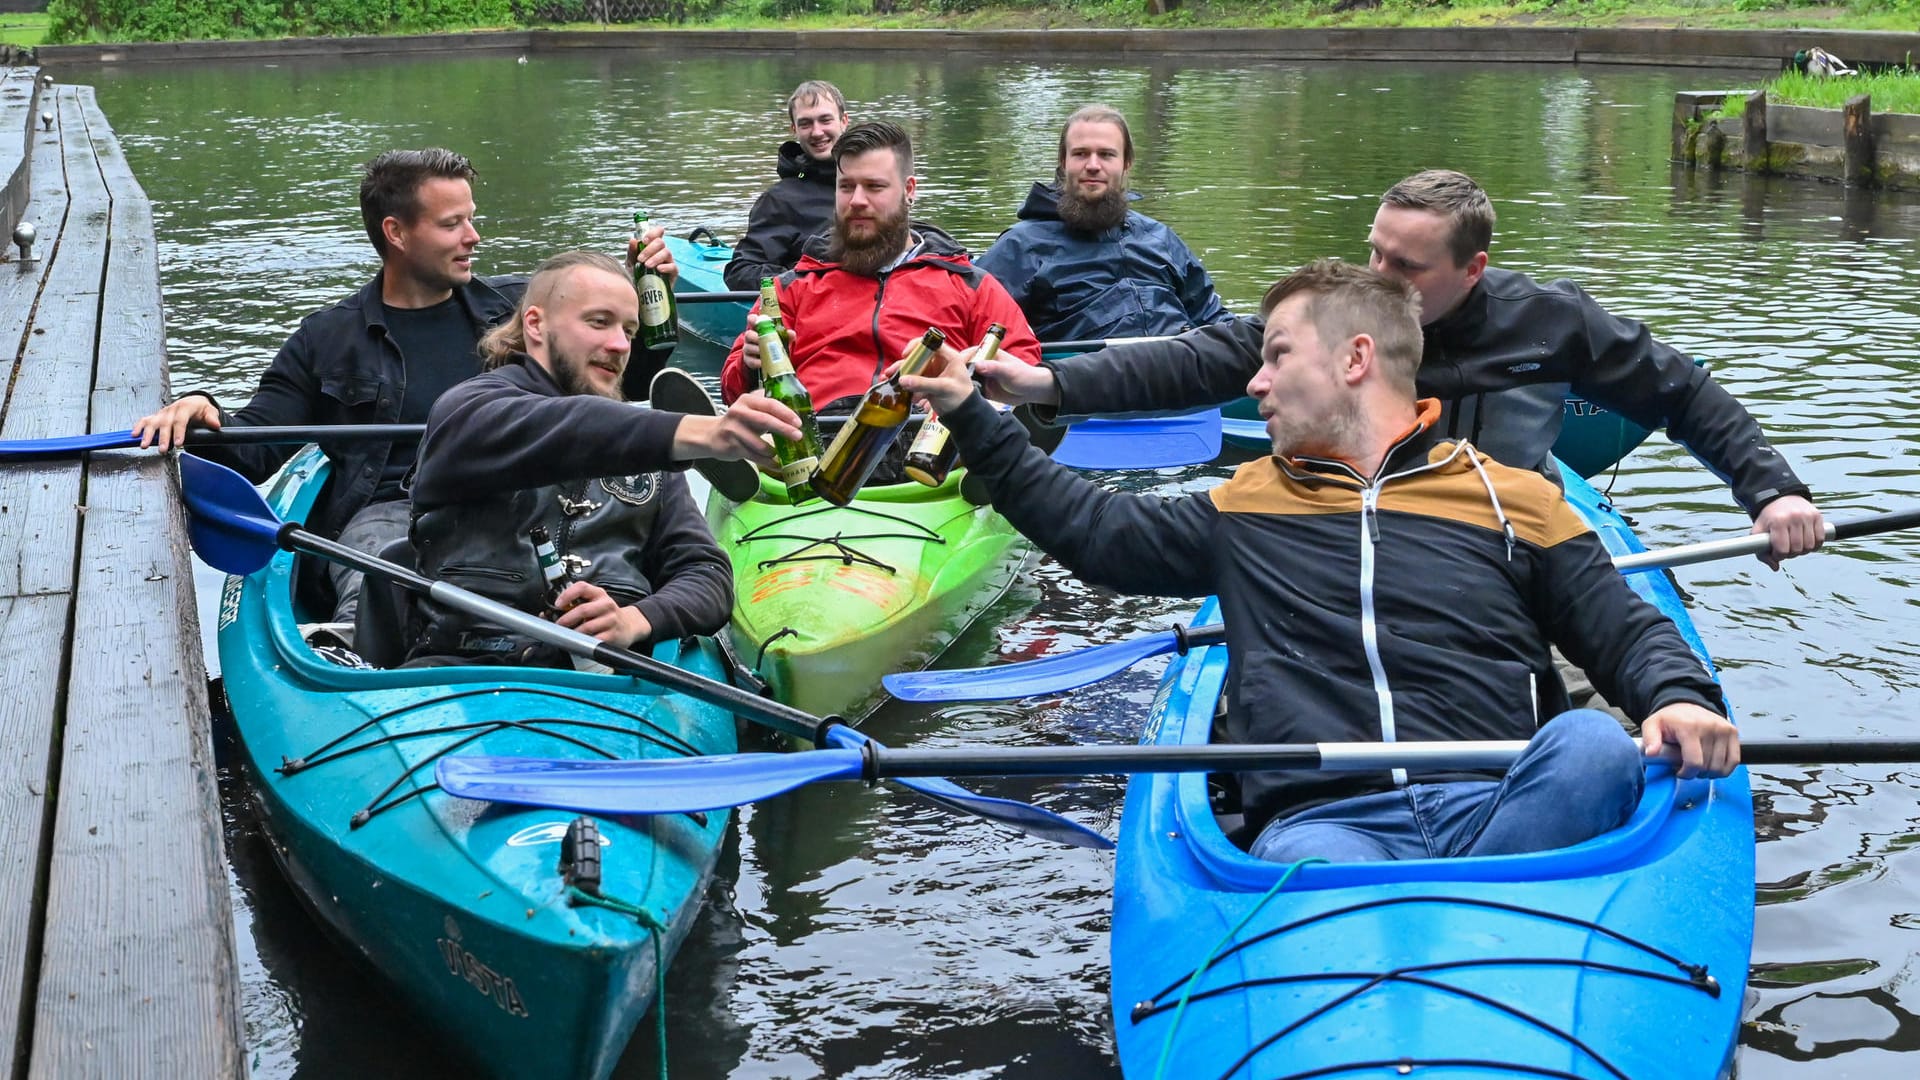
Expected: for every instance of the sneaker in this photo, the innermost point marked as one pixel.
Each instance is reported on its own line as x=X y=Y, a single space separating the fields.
x=673 y=390
x=322 y=634
x=1046 y=437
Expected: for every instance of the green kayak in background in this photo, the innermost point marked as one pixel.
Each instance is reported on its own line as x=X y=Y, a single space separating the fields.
x=827 y=599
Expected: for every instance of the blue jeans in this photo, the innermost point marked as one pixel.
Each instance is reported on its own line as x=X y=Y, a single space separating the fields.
x=1580 y=776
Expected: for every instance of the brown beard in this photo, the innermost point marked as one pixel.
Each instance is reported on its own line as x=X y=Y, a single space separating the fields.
x=867 y=256
x=570 y=375
x=1096 y=215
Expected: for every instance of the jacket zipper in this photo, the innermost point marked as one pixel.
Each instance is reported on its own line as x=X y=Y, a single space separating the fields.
x=879 y=347
x=1369 y=626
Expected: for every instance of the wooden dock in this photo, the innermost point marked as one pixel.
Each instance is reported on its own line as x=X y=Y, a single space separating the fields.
x=116 y=934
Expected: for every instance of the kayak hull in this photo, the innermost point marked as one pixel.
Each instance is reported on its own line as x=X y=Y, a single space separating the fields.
x=702 y=270
x=828 y=599
x=1482 y=967
x=461 y=904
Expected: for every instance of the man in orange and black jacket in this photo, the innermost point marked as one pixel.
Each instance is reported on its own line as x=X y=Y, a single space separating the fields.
x=1379 y=584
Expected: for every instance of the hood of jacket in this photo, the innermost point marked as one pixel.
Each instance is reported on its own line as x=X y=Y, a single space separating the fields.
x=795 y=164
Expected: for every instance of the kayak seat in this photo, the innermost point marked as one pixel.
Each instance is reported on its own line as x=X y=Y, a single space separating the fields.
x=383 y=632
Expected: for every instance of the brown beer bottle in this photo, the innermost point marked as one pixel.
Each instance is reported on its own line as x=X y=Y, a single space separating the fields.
x=864 y=439
x=932 y=454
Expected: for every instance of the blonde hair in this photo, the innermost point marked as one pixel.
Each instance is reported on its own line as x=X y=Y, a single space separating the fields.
x=1346 y=300
x=502 y=343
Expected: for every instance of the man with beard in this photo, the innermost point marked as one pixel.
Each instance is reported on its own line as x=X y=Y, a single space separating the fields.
x=874 y=284
x=800 y=202
x=1082 y=265
x=1366 y=526
x=544 y=438
x=380 y=356
x=1501 y=353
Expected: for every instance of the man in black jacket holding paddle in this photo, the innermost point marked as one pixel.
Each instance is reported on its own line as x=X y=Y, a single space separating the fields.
x=1380 y=583
x=380 y=356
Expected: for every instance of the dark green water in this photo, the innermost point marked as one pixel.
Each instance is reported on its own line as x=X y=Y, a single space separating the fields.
x=859 y=933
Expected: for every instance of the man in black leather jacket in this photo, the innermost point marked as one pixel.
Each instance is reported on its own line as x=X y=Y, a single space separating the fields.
x=380 y=356
x=543 y=438
x=800 y=202
x=1501 y=352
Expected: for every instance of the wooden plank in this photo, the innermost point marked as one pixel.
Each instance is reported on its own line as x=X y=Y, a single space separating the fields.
x=138 y=976
x=1807 y=126
x=19 y=95
x=37 y=535
x=1898 y=133
x=32 y=632
x=130 y=376
x=55 y=373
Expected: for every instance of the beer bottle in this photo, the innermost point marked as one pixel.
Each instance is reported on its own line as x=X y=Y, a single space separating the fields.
x=864 y=439
x=797 y=460
x=659 y=313
x=931 y=455
x=552 y=570
x=770 y=308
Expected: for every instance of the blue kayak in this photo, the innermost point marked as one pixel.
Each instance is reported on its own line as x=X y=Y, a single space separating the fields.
x=525 y=970
x=1625 y=956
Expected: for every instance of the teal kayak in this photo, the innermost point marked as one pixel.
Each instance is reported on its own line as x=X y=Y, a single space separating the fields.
x=827 y=599
x=701 y=269
x=1625 y=956
x=524 y=969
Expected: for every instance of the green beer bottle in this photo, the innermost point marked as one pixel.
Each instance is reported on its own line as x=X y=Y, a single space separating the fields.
x=659 y=313
x=931 y=455
x=864 y=439
x=797 y=460
x=770 y=307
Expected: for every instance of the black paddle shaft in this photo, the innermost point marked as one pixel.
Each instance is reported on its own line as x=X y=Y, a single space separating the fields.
x=784 y=718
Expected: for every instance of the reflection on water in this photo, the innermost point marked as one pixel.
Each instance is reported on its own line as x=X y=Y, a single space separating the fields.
x=857 y=932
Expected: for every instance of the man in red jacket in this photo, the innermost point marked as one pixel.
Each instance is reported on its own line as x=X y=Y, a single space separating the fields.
x=867 y=289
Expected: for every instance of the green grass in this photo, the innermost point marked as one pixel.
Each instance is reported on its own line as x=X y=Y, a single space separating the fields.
x=1892 y=91
x=23 y=28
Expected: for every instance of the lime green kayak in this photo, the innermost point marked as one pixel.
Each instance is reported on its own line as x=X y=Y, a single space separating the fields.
x=827 y=599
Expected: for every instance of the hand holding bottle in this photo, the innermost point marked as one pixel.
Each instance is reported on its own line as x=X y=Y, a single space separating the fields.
x=650 y=249
x=588 y=608
x=948 y=385
x=736 y=434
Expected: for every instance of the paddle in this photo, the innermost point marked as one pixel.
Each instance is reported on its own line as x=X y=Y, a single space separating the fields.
x=1245 y=430
x=688 y=785
x=71 y=445
x=66 y=446
x=716 y=297
x=1070 y=671
x=1157 y=442
x=233 y=529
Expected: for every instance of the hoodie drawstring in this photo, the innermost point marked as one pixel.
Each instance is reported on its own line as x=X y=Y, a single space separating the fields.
x=1506 y=527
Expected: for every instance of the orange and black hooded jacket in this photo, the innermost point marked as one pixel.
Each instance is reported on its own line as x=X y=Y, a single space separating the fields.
x=1417 y=604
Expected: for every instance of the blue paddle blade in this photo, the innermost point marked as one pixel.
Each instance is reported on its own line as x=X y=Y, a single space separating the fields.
x=1248 y=432
x=1149 y=443
x=1047 y=675
x=1025 y=817
x=66 y=445
x=231 y=527
x=653 y=786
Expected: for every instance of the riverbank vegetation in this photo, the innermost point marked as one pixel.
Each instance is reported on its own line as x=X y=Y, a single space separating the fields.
x=176 y=20
x=1892 y=91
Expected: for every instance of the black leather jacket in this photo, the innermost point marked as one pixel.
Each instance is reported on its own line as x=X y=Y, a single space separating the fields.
x=797 y=206
x=1501 y=364
x=340 y=367
x=506 y=451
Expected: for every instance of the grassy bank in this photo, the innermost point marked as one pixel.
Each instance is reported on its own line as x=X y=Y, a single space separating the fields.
x=118 y=20
x=1892 y=91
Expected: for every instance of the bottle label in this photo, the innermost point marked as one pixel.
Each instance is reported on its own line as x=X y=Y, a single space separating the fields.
x=798 y=472
x=774 y=362
x=931 y=440
x=653 y=300
x=838 y=447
